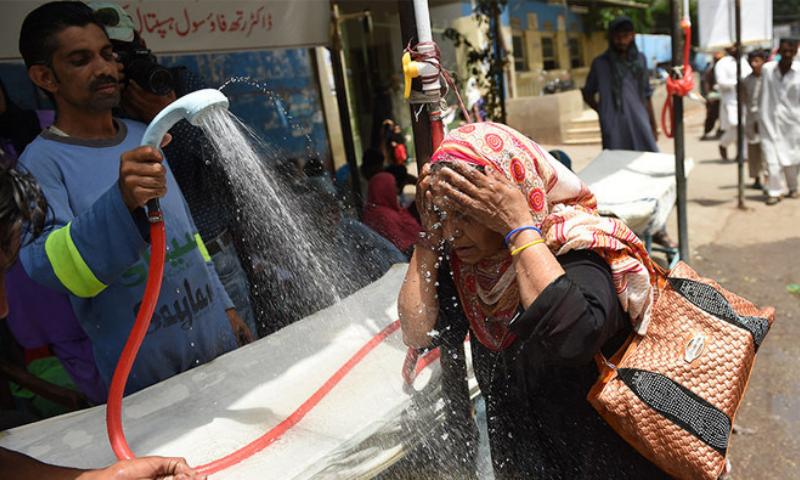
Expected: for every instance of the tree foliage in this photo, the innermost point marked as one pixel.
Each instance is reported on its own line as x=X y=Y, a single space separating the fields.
x=482 y=62
x=655 y=19
x=785 y=11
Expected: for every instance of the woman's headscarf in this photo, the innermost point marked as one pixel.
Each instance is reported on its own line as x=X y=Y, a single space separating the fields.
x=566 y=212
x=384 y=214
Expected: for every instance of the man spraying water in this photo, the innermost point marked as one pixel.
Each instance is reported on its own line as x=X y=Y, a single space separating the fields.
x=97 y=181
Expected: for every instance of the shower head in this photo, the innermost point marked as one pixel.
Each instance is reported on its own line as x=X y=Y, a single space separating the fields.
x=192 y=107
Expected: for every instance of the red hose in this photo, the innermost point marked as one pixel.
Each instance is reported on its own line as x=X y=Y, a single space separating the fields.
x=114 y=408
x=681 y=86
x=269 y=437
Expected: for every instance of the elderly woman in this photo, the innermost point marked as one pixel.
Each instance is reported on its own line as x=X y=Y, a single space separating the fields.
x=514 y=253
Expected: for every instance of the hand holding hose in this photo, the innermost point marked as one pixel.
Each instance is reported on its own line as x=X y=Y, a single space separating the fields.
x=147 y=468
x=142 y=176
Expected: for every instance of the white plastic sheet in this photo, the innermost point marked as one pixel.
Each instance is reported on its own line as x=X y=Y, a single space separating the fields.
x=717 y=22
x=363 y=425
x=637 y=187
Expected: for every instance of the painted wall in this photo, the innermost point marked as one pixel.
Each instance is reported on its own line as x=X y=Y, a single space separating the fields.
x=518 y=11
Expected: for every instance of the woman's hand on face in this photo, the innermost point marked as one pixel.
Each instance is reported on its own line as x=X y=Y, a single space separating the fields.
x=489 y=198
x=427 y=215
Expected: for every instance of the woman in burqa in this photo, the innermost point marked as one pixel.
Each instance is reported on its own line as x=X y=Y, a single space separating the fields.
x=515 y=253
x=384 y=214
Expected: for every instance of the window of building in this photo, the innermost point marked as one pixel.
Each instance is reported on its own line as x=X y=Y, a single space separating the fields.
x=520 y=53
x=549 y=53
x=575 y=57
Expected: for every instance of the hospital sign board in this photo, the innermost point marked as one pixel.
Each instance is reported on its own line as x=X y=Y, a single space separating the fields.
x=180 y=26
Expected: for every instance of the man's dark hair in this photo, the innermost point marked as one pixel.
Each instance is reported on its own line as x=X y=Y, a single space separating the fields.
x=621 y=24
x=789 y=40
x=37 y=37
x=23 y=209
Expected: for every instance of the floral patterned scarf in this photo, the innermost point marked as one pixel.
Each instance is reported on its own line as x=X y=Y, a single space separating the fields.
x=566 y=212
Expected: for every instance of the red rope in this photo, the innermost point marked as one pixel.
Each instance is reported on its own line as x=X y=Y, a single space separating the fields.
x=679 y=86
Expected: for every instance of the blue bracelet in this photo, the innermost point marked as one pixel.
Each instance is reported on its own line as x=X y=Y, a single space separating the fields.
x=512 y=232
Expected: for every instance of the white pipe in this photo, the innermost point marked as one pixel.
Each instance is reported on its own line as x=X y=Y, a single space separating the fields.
x=429 y=74
x=423 y=21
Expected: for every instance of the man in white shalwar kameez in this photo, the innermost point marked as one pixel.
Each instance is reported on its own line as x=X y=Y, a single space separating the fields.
x=725 y=73
x=780 y=122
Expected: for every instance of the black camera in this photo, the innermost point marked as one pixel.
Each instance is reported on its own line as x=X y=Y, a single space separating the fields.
x=141 y=65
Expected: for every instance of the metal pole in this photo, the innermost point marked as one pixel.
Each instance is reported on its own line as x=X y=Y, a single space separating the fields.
x=420 y=124
x=739 y=106
x=455 y=390
x=677 y=127
x=342 y=96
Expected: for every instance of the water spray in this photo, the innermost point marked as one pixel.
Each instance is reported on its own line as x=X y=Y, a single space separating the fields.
x=194 y=107
x=198 y=108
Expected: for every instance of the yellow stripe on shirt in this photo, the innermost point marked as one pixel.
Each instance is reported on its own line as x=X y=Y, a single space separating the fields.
x=202 y=247
x=69 y=266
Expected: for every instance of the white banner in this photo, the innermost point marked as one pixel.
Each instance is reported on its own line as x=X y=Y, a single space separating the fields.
x=717 y=22
x=180 y=26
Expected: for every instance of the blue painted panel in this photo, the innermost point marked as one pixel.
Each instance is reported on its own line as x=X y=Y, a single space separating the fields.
x=656 y=48
x=283 y=107
x=288 y=117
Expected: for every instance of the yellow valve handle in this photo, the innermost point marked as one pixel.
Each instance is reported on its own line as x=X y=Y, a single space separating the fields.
x=410 y=71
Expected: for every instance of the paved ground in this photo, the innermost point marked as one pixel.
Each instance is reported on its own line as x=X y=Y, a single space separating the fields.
x=754 y=252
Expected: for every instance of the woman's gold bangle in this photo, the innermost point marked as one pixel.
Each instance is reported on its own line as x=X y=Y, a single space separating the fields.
x=535 y=242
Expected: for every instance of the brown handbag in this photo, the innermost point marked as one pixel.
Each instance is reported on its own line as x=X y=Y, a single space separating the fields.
x=673 y=393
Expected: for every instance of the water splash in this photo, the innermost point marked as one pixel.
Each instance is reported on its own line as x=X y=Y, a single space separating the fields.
x=285 y=238
x=286 y=117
